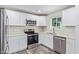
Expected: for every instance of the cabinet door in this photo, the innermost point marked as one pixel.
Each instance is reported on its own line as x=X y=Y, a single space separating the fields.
x=22 y=42
x=49 y=41
x=46 y=39
x=77 y=40
x=13 y=44
x=68 y=18
x=33 y=17
x=13 y=17
x=41 y=21
x=29 y=17
x=41 y=38
x=77 y=15
x=17 y=43
x=23 y=18
x=70 y=46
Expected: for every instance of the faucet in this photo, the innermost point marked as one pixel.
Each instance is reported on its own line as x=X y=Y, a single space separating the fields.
x=54 y=31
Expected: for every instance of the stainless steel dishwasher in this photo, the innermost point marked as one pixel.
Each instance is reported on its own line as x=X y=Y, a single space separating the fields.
x=59 y=44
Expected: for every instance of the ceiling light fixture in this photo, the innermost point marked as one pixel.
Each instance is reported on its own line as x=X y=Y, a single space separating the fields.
x=39 y=11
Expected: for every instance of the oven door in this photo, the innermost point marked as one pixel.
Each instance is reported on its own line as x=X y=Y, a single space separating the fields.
x=32 y=39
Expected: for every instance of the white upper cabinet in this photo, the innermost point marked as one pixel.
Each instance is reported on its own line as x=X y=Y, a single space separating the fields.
x=69 y=17
x=31 y=17
x=41 y=21
x=16 y=18
x=34 y=17
x=77 y=15
x=23 y=18
x=19 y=18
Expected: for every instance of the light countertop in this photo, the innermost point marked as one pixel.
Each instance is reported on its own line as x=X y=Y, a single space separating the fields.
x=63 y=35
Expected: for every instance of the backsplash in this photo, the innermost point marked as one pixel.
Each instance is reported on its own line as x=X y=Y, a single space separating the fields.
x=19 y=30
x=68 y=31
x=36 y=28
x=15 y=30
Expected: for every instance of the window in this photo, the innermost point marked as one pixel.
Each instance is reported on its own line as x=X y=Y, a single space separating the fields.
x=56 y=22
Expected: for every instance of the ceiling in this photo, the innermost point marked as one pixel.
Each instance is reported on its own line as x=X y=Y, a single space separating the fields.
x=37 y=9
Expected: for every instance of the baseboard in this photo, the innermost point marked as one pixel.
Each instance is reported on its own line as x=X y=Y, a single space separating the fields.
x=18 y=51
x=49 y=48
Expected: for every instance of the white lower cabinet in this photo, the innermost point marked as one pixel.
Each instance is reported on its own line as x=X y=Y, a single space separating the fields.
x=49 y=41
x=77 y=40
x=70 y=46
x=22 y=42
x=17 y=43
x=46 y=39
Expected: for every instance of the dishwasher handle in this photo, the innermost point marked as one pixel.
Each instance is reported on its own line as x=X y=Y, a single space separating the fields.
x=59 y=38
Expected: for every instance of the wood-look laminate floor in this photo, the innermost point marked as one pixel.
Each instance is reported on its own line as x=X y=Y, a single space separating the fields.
x=37 y=50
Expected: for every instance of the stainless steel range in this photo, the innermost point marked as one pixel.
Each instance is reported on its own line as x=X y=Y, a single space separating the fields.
x=32 y=37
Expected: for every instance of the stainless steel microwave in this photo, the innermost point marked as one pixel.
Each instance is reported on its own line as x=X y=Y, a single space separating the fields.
x=30 y=22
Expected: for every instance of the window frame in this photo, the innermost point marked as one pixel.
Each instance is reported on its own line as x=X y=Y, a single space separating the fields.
x=60 y=22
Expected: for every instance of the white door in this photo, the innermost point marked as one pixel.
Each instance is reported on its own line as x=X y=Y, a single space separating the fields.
x=13 y=17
